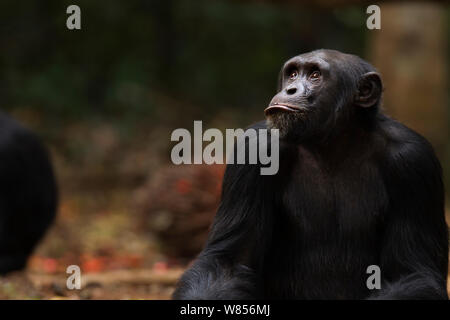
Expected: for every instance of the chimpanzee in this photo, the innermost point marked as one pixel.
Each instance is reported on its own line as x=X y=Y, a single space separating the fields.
x=355 y=189
x=28 y=194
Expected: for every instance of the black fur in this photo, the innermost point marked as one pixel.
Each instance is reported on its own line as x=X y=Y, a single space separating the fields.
x=355 y=188
x=28 y=194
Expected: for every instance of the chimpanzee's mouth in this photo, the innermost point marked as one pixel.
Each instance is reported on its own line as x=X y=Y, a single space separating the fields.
x=281 y=107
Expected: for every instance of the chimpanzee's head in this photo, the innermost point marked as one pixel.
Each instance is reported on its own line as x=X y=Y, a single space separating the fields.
x=321 y=91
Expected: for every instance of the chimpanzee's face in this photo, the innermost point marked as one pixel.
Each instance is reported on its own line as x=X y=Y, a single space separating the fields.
x=314 y=90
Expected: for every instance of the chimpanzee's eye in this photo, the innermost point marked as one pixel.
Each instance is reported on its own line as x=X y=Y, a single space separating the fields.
x=293 y=75
x=315 y=75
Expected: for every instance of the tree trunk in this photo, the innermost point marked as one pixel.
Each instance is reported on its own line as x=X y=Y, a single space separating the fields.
x=410 y=52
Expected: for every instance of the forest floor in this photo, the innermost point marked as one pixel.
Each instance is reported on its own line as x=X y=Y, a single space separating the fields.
x=100 y=233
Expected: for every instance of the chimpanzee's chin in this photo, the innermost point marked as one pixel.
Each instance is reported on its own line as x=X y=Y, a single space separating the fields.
x=288 y=124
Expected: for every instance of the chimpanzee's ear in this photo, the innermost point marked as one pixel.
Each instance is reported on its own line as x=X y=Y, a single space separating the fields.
x=370 y=88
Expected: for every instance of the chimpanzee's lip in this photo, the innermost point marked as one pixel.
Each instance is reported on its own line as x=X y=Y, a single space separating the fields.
x=283 y=107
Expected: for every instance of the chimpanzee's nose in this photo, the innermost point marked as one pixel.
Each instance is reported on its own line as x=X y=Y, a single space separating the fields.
x=291 y=90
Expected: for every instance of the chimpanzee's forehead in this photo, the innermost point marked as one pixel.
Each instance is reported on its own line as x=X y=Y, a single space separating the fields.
x=321 y=57
x=317 y=58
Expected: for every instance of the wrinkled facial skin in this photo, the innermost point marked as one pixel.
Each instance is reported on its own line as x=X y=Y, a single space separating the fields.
x=311 y=92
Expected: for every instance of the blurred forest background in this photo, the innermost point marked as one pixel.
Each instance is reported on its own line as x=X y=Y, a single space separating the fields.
x=106 y=98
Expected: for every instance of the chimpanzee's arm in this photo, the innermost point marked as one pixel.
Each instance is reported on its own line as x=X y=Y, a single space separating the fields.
x=228 y=266
x=414 y=254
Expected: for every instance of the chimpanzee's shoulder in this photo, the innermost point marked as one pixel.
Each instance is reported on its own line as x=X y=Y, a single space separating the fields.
x=406 y=145
x=396 y=132
x=13 y=134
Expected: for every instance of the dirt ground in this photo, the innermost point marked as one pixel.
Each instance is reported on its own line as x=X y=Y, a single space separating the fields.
x=102 y=234
x=142 y=284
